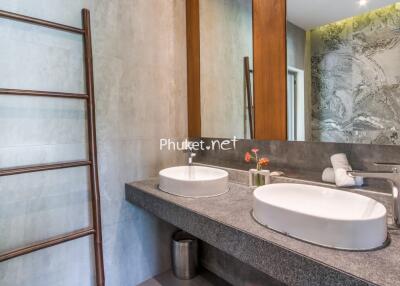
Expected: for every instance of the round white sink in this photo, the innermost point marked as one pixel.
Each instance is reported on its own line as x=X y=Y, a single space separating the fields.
x=194 y=181
x=323 y=216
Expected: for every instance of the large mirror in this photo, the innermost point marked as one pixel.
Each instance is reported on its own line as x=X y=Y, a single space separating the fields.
x=226 y=48
x=343 y=71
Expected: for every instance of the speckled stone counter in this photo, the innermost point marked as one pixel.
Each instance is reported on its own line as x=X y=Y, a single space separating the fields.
x=225 y=223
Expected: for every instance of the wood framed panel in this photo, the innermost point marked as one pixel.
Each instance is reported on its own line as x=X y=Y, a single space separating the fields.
x=193 y=67
x=269 y=47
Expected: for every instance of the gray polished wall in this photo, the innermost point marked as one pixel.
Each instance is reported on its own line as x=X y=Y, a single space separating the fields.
x=304 y=160
x=231 y=269
x=140 y=89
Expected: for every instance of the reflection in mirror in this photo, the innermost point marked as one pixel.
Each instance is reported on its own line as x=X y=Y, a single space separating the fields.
x=225 y=42
x=343 y=71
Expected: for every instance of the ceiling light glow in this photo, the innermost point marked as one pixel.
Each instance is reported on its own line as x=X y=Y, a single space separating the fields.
x=362 y=2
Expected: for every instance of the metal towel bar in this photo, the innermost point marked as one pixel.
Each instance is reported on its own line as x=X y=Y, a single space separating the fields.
x=24 y=92
x=247 y=72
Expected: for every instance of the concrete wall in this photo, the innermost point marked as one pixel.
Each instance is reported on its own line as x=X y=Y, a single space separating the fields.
x=225 y=38
x=140 y=89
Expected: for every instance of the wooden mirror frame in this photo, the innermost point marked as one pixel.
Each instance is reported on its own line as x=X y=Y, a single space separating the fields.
x=269 y=57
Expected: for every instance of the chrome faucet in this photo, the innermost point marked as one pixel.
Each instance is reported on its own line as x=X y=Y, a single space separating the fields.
x=191 y=155
x=394 y=179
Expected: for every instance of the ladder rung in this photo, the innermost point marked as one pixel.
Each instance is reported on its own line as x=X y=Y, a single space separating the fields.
x=40 y=22
x=42 y=167
x=47 y=243
x=24 y=92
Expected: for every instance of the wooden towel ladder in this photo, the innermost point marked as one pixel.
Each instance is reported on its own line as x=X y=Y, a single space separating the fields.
x=95 y=229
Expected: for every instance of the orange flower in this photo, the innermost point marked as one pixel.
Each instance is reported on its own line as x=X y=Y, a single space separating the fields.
x=247 y=157
x=264 y=161
x=255 y=150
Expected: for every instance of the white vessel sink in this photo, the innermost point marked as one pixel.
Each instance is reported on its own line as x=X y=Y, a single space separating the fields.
x=194 y=181
x=323 y=216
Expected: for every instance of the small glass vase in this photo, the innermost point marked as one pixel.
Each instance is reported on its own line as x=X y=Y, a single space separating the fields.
x=259 y=177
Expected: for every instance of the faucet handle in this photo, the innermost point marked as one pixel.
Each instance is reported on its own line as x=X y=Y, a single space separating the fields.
x=395 y=166
x=387 y=164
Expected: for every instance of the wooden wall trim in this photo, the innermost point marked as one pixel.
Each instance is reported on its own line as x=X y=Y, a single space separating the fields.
x=269 y=47
x=193 y=68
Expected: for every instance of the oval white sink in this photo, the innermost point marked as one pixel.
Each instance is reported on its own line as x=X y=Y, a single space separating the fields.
x=194 y=181
x=323 y=216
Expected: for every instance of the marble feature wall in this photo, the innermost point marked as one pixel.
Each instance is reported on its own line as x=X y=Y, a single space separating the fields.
x=140 y=90
x=356 y=79
x=225 y=39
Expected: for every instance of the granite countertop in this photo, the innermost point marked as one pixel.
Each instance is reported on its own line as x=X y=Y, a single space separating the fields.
x=226 y=223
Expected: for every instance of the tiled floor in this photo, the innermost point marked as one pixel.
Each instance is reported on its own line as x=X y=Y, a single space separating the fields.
x=205 y=278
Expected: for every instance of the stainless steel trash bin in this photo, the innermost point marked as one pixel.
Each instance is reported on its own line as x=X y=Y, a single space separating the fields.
x=184 y=255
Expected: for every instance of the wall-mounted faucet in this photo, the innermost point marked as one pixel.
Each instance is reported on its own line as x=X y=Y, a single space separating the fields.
x=190 y=153
x=394 y=179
